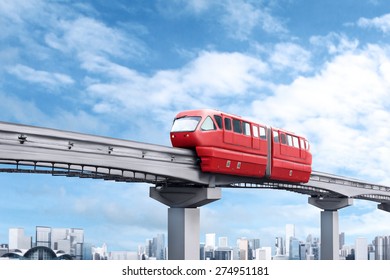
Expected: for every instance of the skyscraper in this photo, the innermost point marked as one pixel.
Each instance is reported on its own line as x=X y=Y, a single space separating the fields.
x=361 y=249
x=17 y=239
x=264 y=253
x=279 y=246
x=294 y=251
x=223 y=242
x=243 y=246
x=290 y=232
x=43 y=236
x=160 y=247
x=341 y=240
x=210 y=241
x=382 y=247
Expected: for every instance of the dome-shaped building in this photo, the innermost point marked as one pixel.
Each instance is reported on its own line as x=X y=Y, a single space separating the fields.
x=38 y=253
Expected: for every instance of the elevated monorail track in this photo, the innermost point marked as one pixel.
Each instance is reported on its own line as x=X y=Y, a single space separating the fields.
x=29 y=149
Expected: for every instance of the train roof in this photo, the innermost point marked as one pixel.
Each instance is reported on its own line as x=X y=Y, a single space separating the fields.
x=215 y=111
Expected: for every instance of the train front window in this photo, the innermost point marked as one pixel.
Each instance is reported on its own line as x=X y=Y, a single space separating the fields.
x=208 y=124
x=188 y=123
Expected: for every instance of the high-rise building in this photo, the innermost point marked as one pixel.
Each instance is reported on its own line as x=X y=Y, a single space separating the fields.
x=209 y=247
x=223 y=242
x=361 y=249
x=382 y=247
x=210 y=241
x=160 y=247
x=243 y=247
x=341 y=240
x=17 y=239
x=263 y=253
x=294 y=251
x=43 y=236
x=290 y=232
x=279 y=246
x=253 y=245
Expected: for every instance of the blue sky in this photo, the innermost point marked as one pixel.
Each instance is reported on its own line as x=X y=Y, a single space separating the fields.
x=125 y=68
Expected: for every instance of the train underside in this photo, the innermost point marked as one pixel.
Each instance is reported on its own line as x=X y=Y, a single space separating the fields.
x=230 y=162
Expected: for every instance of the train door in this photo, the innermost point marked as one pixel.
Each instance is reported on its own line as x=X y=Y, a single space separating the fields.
x=227 y=132
x=256 y=137
x=246 y=136
x=275 y=143
x=303 y=148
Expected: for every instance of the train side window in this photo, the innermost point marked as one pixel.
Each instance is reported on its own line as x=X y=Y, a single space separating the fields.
x=289 y=140
x=237 y=126
x=276 y=136
x=302 y=144
x=218 y=119
x=307 y=145
x=228 y=124
x=283 y=138
x=263 y=134
x=208 y=124
x=247 y=129
x=255 y=130
x=295 y=142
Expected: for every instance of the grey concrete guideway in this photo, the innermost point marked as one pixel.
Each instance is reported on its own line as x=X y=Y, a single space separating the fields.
x=184 y=217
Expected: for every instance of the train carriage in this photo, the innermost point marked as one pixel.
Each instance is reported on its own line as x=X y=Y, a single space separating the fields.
x=228 y=144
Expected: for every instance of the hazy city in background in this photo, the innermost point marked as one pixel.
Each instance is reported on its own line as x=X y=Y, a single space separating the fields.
x=71 y=244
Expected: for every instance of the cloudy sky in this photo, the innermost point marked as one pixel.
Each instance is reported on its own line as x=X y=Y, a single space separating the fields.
x=125 y=68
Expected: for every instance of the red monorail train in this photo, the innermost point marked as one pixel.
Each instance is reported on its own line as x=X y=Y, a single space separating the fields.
x=228 y=144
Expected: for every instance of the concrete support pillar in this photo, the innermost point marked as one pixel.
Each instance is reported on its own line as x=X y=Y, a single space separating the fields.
x=184 y=217
x=329 y=235
x=330 y=224
x=183 y=233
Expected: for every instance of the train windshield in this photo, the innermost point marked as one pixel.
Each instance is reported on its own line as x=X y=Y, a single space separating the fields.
x=188 y=123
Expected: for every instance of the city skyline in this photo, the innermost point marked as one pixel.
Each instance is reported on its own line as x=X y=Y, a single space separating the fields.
x=69 y=243
x=318 y=68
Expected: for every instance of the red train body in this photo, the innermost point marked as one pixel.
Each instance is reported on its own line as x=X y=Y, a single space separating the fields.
x=228 y=144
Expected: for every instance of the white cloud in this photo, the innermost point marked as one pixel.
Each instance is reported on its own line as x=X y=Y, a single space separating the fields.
x=335 y=43
x=17 y=11
x=382 y=23
x=44 y=78
x=240 y=18
x=342 y=110
x=369 y=224
x=243 y=17
x=87 y=35
x=200 y=83
x=290 y=56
